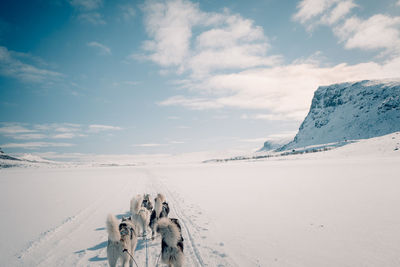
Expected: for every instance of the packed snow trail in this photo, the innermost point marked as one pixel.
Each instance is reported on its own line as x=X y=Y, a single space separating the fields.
x=81 y=239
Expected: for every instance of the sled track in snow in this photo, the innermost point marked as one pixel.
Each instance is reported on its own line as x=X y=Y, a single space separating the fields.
x=189 y=243
x=44 y=237
x=176 y=208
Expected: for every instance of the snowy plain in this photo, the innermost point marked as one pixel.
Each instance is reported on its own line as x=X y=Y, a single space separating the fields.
x=331 y=208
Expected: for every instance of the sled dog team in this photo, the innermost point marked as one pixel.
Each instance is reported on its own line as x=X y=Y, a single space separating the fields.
x=123 y=236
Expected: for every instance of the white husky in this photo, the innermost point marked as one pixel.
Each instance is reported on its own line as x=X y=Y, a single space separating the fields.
x=122 y=241
x=140 y=214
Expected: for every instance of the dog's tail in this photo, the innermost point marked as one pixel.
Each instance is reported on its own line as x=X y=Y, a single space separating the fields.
x=169 y=232
x=158 y=204
x=136 y=203
x=112 y=228
x=144 y=218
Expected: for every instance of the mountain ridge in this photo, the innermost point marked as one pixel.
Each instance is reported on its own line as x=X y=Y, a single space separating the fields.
x=350 y=111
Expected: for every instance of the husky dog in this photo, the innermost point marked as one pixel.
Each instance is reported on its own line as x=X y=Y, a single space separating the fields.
x=147 y=202
x=140 y=214
x=122 y=241
x=172 y=242
x=161 y=210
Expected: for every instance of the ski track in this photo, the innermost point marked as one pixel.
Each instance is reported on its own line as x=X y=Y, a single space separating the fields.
x=49 y=249
x=44 y=237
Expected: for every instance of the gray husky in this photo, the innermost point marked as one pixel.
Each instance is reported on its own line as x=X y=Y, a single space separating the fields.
x=122 y=241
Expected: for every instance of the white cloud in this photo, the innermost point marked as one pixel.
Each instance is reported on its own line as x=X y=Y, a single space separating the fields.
x=284 y=91
x=14 y=129
x=19 y=131
x=67 y=135
x=66 y=129
x=228 y=64
x=98 y=128
x=192 y=103
x=222 y=40
x=58 y=127
x=133 y=83
x=308 y=9
x=233 y=43
x=28 y=136
x=173 y=117
x=94 y=18
x=148 y=145
x=86 y=4
x=176 y=142
x=25 y=131
x=35 y=145
x=11 y=66
x=88 y=11
x=128 y=12
x=169 y=25
x=314 y=12
x=270 y=117
x=129 y=83
x=104 y=50
x=340 y=11
x=398 y=3
x=377 y=32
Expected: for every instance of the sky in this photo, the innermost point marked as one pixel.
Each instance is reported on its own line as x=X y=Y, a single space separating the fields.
x=170 y=77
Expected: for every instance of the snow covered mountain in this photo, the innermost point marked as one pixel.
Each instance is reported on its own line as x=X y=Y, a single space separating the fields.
x=271 y=144
x=349 y=111
x=24 y=160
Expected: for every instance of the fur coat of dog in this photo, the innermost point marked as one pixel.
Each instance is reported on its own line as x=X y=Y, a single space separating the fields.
x=161 y=210
x=171 y=242
x=121 y=236
x=147 y=202
x=140 y=214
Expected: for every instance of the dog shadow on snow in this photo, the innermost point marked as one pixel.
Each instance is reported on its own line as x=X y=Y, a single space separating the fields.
x=140 y=245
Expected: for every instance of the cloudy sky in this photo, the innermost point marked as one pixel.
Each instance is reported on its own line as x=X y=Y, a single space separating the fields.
x=133 y=77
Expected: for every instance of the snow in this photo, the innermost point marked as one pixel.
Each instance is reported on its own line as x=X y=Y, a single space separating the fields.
x=332 y=208
x=348 y=111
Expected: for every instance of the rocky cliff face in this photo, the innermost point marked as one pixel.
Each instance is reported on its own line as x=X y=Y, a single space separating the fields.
x=349 y=111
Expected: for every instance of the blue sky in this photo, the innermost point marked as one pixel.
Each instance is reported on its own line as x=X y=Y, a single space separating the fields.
x=134 y=77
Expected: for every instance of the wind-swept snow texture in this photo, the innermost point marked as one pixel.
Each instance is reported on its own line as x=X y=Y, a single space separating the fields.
x=349 y=111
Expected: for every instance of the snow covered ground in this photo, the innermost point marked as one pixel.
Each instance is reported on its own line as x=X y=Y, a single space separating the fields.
x=332 y=208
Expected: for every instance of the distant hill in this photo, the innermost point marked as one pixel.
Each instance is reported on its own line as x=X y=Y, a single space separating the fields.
x=25 y=160
x=6 y=157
